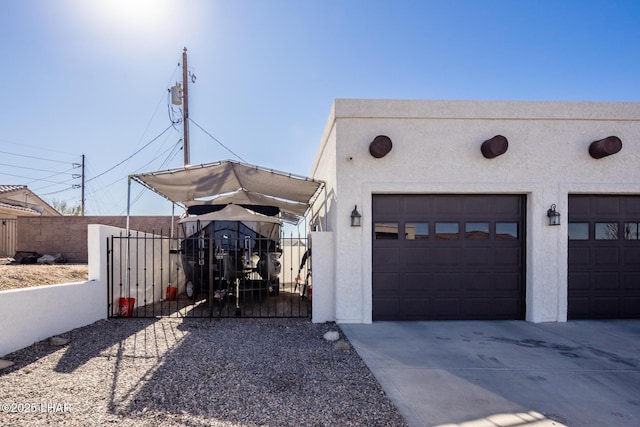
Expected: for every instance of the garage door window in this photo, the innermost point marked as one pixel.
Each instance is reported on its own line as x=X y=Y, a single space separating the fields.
x=476 y=231
x=416 y=230
x=631 y=231
x=386 y=230
x=578 y=231
x=447 y=230
x=606 y=231
x=506 y=231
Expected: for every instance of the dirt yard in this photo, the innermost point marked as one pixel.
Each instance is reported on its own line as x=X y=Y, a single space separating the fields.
x=16 y=276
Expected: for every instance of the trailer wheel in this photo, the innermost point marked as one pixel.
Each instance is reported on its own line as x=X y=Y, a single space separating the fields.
x=274 y=288
x=190 y=290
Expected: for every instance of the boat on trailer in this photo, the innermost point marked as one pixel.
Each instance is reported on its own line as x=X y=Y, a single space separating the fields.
x=230 y=251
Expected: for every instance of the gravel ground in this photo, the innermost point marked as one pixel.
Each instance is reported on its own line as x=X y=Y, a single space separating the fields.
x=194 y=372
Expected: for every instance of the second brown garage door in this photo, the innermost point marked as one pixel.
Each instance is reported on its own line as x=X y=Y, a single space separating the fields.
x=604 y=257
x=448 y=257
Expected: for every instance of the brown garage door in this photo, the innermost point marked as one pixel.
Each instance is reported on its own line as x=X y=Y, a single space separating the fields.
x=448 y=257
x=604 y=257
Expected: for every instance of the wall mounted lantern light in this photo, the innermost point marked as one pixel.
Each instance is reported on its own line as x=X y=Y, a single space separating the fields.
x=355 y=217
x=554 y=217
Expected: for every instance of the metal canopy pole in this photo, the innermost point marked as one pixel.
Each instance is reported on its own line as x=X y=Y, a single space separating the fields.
x=128 y=202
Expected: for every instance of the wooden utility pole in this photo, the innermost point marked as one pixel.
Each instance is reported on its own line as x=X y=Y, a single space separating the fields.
x=185 y=111
x=82 y=200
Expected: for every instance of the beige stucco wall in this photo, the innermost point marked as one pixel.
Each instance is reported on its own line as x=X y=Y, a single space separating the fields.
x=436 y=149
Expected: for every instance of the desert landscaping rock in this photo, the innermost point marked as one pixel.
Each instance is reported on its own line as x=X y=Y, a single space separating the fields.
x=59 y=341
x=332 y=336
x=5 y=364
x=196 y=372
x=342 y=345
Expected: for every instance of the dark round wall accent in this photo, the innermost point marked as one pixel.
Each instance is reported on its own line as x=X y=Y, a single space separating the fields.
x=494 y=147
x=380 y=146
x=605 y=147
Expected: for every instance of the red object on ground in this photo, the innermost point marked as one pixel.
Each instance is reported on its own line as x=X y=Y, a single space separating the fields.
x=125 y=306
x=171 y=293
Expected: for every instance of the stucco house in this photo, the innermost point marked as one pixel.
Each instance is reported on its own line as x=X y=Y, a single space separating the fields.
x=18 y=201
x=478 y=210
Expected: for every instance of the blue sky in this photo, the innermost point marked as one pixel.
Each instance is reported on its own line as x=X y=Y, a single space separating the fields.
x=91 y=77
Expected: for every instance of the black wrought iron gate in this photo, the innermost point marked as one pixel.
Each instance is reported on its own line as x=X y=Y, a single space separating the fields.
x=151 y=275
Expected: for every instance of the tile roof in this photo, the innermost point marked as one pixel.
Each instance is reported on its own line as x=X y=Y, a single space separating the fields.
x=9 y=188
x=17 y=208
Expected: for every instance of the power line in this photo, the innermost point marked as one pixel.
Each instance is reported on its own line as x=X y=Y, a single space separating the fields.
x=30 y=177
x=216 y=140
x=118 y=164
x=33 y=157
x=34 y=169
x=59 y=191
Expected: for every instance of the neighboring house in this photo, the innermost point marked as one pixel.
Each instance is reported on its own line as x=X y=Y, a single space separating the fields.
x=457 y=199
x=18 y=201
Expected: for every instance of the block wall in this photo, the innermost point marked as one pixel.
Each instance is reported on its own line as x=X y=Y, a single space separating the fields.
x=68 y=234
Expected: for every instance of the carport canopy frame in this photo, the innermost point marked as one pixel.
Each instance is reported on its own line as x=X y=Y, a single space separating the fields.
x=225 y=182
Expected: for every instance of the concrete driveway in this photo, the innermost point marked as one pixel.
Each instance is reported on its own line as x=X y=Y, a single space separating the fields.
x=506 y=373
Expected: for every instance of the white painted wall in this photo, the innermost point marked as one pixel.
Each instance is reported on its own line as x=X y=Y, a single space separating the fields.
x=436 y=149
x=32 y=314
x=323 y=301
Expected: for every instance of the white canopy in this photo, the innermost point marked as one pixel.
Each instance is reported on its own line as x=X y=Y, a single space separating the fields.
x=232 y=213
x=232 y=182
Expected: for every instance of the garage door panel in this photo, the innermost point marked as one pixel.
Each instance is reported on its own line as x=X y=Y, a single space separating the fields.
x=466 y=262
x=477 y=307
x=387 y=206
x=417 y=207
x=604 y=269
x=446 y=256
x=604 y=256
x=445 y=282
x=507 y=282
x=631 y=306
x=386 y=283
x=631 y=256
x=580 y=206
x=605 y=306
x=386 y=308
x=476 y=206
x=508 y=256
x=507 y=206
x=580 y=307
x=387 y=259
x=632 y=206
x=606 y=206
x=446 y=308
x=580 y=256
x=579 y=280
x=475 y=282
x=415 y=307
x=415 y=258
x=606 y=280
x=447 y=206
x=478 y=256
x=505 y=308
x=415 y=283
x=631 y=281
